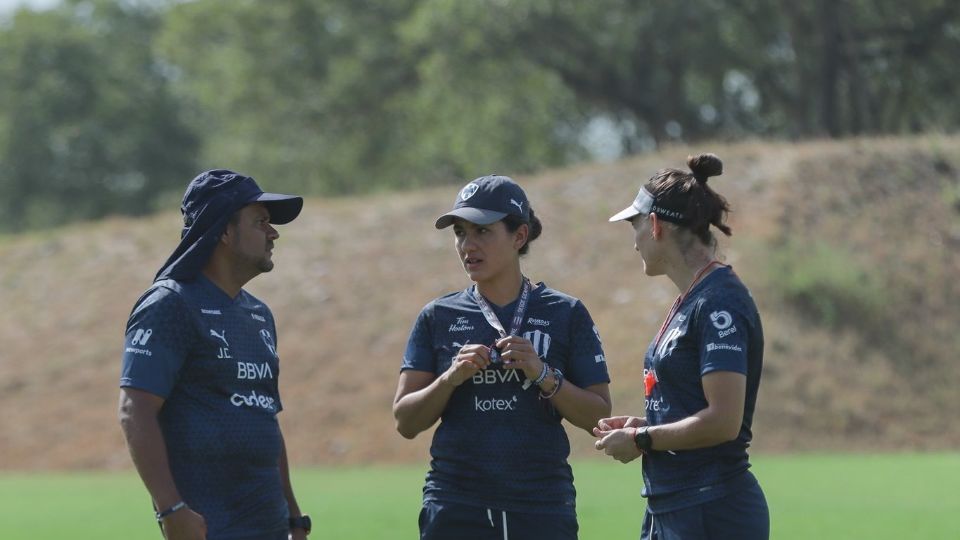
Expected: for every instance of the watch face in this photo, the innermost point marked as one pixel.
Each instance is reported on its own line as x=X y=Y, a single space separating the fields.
x=302 y=522
x=643 y=440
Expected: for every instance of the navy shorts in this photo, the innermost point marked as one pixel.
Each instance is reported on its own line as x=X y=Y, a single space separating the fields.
x=443 y=521
x=739 y=516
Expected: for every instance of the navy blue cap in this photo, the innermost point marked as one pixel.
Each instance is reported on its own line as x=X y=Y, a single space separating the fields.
x=209 y=202
x=486 y=200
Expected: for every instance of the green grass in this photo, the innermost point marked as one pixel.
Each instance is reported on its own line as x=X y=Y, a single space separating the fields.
x=810 y=496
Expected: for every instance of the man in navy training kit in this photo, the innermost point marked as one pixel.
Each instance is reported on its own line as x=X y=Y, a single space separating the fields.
x=199 y=396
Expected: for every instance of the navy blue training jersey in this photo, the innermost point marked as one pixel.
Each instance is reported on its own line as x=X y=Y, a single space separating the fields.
x=214 y=360
x=498 y=445
x=715 y=328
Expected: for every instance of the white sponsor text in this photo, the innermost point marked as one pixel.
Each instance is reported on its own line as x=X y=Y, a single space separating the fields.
x=247 y=370
x=487 y=405
x=253 y=400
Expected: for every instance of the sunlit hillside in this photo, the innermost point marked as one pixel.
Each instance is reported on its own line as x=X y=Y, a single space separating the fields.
x=851 y=249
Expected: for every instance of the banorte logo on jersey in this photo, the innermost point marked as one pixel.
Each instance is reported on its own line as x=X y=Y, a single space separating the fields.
x=650 y=381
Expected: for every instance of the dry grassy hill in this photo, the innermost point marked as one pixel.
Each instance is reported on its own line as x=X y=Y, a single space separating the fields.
x=851 y=249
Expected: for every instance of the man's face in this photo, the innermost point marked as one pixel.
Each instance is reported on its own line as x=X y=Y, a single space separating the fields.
x=251 y=238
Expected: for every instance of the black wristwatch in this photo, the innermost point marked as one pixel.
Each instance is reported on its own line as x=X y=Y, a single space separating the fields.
x=302 y=522
x=643 y=440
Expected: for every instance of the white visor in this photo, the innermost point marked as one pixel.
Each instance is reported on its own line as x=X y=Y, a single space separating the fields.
x=643 y=204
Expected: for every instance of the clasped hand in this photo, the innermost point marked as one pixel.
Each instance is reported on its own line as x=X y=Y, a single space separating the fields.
x=615 y=436
x=515 y=353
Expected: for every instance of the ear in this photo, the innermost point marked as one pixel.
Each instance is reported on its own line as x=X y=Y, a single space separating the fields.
x=520 y=236
x=656 y=226
x=228 y=233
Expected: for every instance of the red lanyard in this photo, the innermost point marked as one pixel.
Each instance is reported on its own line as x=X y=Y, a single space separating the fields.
x=680 y=299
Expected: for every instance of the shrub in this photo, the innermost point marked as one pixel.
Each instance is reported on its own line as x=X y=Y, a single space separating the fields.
x=825 y=283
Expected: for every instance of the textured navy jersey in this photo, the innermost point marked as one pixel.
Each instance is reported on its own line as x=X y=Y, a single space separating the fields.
x=715 y=328
x=498 y=445
x=214 y=360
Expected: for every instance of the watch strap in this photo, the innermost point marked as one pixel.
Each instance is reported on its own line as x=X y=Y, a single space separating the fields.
x=301 y=522
x=643 y=440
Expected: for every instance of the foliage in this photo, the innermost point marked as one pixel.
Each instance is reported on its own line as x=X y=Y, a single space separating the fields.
x=825 y=283
x=342 y=96
x=109 y=105
x=88 y=127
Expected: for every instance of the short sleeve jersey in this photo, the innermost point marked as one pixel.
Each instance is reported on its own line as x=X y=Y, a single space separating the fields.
x=498 y=445
x=716 y=328
x=214 y=360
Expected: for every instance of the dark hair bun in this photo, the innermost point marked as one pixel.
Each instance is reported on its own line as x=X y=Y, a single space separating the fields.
x=704 y=166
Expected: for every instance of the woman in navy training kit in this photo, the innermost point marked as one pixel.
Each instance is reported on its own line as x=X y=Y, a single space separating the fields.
x=500 y=363
x=700 y=373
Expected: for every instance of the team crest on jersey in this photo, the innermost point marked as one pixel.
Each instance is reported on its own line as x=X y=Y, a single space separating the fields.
x=268 y=341
x=541 y=342
x=669 y=342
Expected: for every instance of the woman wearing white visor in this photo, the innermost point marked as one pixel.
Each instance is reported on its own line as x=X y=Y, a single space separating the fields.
x=701 y=372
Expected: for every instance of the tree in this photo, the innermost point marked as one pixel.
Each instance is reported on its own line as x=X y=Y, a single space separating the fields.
x=344 y=95
x=90 y=127
x=107 y=103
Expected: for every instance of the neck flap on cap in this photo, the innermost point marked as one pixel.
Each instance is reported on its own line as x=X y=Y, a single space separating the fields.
x=199 y=236
x=209 y=202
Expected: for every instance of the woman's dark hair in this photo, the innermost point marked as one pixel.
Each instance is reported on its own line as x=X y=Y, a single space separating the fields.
x=688 y=191
x=514 y=222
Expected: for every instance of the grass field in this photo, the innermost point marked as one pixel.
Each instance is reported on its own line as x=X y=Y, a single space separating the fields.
x=811 y=496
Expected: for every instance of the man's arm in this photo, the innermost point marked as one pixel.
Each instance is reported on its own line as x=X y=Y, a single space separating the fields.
x=138 y=418
x=294 y=508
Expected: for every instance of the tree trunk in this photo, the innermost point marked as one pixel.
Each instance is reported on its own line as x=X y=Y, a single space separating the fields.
x=830 y=54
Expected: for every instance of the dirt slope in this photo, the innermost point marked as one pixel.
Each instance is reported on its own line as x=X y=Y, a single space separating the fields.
x=874 y=369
